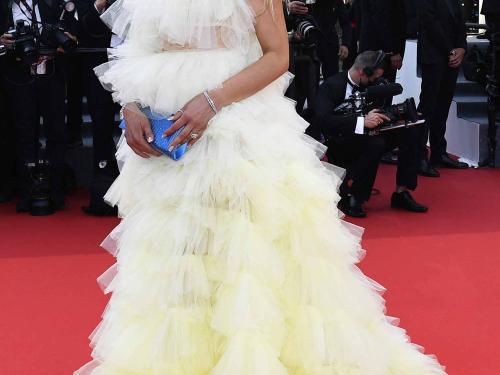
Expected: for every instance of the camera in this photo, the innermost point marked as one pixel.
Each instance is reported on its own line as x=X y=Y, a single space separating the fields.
x=305 y=28
x=27 y=40
x=406 y=111
x=54 y=35
x=25 y=46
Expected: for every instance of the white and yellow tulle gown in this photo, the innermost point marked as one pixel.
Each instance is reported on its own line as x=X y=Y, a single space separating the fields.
x=233 y=260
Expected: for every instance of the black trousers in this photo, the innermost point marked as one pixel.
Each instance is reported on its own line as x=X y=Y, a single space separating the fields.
x=7 y=139
x=75 y=79
x=33 y=96
x=493 y=22
x=328 y=53
x=306 y=68
x=361 y=154
x=102 y=112
x=438 y=86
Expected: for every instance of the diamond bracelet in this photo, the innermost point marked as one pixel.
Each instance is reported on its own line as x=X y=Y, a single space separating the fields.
x=210 y=102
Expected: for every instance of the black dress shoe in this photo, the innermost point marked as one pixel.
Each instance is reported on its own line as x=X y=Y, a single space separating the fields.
x=58 y=204
x=352 y=207
x=390 y=157
x=6 y=194
x=447 y=162
x=405 y=201
x=425 y=169
x=100 y=210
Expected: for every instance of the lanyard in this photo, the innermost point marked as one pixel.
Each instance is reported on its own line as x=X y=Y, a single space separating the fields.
x=32 y=11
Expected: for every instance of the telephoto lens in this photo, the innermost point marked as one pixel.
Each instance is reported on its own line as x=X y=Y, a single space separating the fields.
x=40 y=194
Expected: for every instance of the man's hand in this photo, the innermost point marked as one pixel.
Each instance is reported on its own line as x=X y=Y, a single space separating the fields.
x=396 y=61
x=374 y=118
x=343 y=52
x=297 y=7
x=100 y=6
x=72 y=37
x=456 y=57
x=6 y=40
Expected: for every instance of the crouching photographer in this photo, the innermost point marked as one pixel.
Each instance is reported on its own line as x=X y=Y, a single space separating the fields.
x=35 y=34
x=359 y=130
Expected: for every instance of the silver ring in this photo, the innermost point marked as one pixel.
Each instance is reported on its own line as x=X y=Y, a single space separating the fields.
x=181 y=111
x=194 y=136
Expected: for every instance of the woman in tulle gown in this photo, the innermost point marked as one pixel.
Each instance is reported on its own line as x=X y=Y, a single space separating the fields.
x=234 y=259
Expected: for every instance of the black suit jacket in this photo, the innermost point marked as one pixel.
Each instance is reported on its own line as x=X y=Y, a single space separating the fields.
x=328 y=13
x=330 y=95
x=382 y=25
x=441 y=29
x=490 y=7
x=92 y=32
x=49 y=12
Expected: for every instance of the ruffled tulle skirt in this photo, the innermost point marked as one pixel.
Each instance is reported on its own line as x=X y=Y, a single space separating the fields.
x=233 y=260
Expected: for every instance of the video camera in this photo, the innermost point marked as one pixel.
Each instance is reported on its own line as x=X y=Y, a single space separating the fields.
x=402 y=115
x=29 y=44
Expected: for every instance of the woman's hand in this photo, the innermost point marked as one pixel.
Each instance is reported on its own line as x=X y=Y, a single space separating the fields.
x=138 y=132
x=194 y=117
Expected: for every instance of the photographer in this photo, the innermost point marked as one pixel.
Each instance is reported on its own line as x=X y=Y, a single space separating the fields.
x=491 y=12
x=303 y=34
x=93 y=33
x=442 y=42
x=327 y=13
x=382 y=27
x=360 y=153
x=36 y=86
x=7 y=145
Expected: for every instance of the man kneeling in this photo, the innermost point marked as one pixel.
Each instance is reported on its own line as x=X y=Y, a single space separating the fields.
x=350 y=147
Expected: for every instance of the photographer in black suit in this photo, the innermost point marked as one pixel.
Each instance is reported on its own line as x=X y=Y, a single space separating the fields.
x=37 y=88
x=360 y=153
x=7 y=142
x=93 y=33
x=441 y=48
x=382 y=26
x=491 y=11
x=328 y=13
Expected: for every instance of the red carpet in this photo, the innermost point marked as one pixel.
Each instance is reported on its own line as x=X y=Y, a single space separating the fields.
x=441 y=271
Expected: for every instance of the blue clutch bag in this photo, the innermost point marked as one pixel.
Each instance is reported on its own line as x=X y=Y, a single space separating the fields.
x=159 y=125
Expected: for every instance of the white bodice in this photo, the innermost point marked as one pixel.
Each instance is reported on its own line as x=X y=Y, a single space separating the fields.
x=160 y=25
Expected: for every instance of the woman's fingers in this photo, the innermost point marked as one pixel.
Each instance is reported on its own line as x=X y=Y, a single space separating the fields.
x=145 y=138
x=136 y=139
x=183 y=137
x=131 y=141
x=179 y=119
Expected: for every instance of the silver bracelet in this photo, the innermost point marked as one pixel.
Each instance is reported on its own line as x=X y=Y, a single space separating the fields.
x=210 y=102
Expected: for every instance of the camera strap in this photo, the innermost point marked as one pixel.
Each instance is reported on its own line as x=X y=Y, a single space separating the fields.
x=31 y=10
